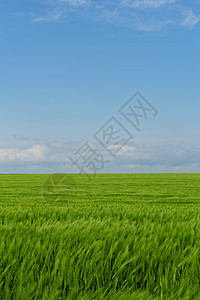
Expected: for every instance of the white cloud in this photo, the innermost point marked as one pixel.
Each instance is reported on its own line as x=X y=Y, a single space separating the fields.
x=25 y=14
x=121 y=148
x=142 y=15
x=33 y=154
x=76 y=3
x=54 y=16
x=57 y=10
x=146 y=3
x=190 y=18
x=153 y=25
x=171 y=153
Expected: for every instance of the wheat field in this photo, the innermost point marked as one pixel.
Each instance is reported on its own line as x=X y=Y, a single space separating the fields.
x=117 y=236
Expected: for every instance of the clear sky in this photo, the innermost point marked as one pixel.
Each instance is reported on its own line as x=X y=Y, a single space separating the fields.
x=67 y=66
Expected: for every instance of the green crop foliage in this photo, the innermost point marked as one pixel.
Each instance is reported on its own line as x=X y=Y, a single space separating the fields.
x=118 y=236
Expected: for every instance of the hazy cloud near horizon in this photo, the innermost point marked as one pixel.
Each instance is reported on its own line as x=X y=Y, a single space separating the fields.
x=141 y=155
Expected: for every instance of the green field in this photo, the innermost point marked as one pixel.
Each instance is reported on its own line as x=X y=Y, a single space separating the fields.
x=121 y=236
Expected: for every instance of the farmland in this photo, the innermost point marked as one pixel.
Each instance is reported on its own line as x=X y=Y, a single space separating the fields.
x=118 y=236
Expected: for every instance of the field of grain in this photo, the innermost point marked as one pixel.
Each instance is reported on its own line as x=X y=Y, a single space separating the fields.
x=121 y=236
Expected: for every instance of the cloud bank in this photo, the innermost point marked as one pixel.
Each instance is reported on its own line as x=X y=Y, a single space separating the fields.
x=142 y=155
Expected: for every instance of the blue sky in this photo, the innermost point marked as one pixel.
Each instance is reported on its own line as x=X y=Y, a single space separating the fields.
x=67 y=66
